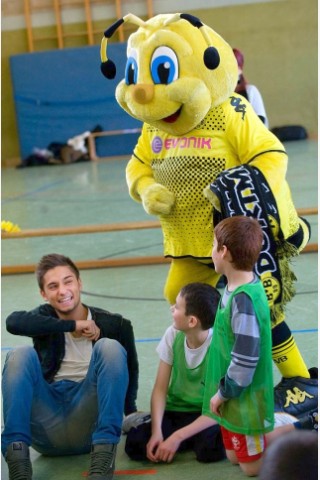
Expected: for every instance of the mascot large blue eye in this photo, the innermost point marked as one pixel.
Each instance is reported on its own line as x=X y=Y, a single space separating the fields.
x=164 y=66
x=131 y=73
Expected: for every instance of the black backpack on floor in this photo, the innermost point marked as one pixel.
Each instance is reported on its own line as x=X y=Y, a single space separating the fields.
x=290 y=132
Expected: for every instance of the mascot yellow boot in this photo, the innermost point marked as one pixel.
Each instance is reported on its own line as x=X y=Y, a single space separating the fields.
x=203 y=154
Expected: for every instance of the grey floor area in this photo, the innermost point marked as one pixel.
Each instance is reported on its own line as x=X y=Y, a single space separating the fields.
x=96 y=193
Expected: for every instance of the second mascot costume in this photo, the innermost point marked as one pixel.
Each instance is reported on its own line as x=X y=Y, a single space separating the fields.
x=203 y=154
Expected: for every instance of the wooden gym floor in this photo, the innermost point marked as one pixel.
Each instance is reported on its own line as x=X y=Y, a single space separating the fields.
x=95 y=193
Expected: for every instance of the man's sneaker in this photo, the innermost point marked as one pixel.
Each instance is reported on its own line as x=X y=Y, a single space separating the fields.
x=102 y=461
x=18 y=460
x=297 y=395
x=134 y=420
x=309 y=421
x=314 y=419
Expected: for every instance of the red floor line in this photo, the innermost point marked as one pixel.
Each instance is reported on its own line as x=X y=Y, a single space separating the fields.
x=136 y=472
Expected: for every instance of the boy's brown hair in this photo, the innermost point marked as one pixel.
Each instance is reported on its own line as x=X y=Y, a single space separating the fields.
x=53 y=260
x=243 y=237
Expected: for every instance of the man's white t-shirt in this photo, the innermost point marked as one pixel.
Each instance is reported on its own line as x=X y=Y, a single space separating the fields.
x=75 y=363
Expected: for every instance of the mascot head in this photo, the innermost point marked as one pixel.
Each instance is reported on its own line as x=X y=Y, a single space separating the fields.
x=177 y=69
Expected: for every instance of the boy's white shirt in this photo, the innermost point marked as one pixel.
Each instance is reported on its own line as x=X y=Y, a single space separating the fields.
x=282 y=418
x=255 y=98
x=75 y=363
x=194 y=356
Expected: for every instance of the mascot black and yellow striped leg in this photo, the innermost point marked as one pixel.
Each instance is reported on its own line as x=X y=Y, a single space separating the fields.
x=297 y=392
x=285 y=353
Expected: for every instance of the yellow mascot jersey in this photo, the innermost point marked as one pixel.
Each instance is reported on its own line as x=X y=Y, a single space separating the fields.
x=230 y=135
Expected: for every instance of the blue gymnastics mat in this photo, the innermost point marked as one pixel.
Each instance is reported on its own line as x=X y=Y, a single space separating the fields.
x=59 y=94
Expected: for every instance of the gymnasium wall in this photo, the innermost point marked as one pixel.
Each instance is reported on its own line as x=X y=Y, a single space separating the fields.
x=279 y=40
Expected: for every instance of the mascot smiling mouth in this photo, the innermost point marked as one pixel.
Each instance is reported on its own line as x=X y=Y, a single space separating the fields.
x=172 y=118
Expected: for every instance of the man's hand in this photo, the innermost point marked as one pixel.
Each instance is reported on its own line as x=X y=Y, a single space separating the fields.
x=88 y=329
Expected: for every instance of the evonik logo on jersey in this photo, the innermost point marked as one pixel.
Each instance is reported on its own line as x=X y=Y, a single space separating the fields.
x=202 y=143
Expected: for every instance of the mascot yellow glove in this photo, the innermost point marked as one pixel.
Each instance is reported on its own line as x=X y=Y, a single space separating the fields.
x=212 y=197
x=156 y=199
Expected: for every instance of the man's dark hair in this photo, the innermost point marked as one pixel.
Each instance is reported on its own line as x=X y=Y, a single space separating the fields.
x=292 y=456
x=202 y=301
x=53 y=260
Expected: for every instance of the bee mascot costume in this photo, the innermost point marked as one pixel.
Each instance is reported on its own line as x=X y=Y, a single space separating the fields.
x=203 y=155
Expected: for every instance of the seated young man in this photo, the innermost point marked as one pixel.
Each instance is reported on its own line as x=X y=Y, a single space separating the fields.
x=67 y=393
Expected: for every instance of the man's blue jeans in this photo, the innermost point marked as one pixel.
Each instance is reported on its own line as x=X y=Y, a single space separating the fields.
x=64 y=417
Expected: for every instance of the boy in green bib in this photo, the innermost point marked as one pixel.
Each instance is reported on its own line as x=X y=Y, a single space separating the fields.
x=239 y=381
x=176 y=402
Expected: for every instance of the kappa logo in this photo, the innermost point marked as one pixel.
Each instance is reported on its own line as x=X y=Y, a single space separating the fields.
x=238 y=106
x=296 y=396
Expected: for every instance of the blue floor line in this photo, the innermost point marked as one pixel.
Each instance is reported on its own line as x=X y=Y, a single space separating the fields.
x=146 y=340
x=38 y=190
x=310 y=330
